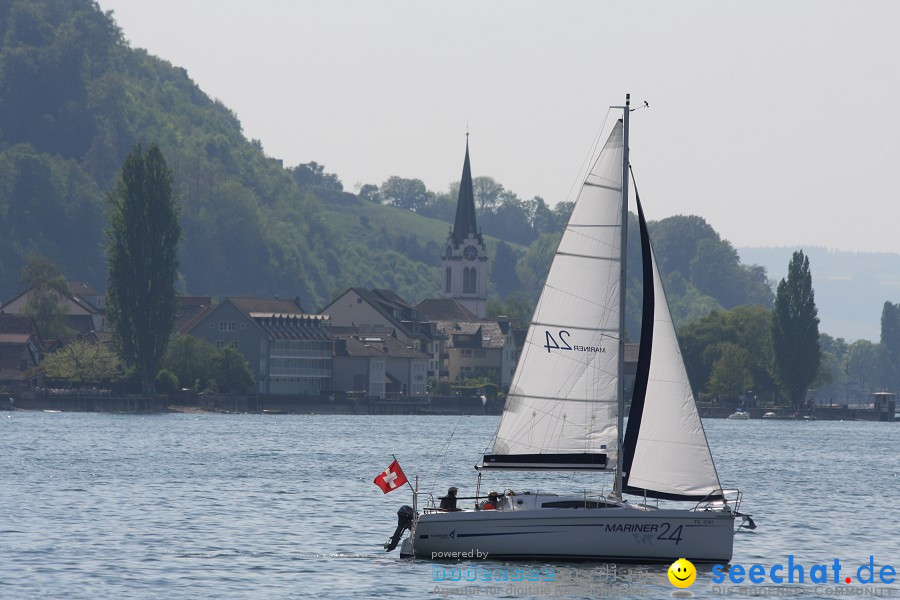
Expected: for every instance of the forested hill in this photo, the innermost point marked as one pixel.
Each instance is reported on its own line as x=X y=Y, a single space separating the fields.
x=75 y=98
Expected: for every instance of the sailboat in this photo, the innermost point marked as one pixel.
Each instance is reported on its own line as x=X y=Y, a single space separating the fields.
x=565 y=411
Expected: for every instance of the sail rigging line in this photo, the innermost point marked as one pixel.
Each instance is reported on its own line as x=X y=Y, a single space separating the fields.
x=589 y=158
x=442 y=455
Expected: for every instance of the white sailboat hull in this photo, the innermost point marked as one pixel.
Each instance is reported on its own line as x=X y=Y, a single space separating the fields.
x=620 y=533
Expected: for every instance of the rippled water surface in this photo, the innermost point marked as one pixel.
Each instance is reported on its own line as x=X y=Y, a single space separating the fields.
x=265 y=506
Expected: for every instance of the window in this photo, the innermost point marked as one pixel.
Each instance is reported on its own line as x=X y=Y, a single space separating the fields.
x=465 y=353
x=469 y=280
x=227 y=326
x=448 y=280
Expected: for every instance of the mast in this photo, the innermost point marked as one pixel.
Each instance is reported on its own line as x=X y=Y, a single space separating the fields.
x=624 y=251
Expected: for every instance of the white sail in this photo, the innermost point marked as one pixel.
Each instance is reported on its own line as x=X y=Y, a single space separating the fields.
x=563 y=398
x=672 y=455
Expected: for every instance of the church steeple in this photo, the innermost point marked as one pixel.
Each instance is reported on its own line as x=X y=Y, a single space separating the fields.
x=465 y=225
x=465 y=260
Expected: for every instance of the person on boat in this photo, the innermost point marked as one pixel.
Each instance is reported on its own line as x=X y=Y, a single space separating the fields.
x=448 y=502
x=492 y=502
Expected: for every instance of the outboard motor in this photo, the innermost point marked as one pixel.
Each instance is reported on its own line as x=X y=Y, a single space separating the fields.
x=404 y=522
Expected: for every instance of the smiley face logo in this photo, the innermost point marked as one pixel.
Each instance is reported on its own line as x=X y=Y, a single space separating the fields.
x=682 y=573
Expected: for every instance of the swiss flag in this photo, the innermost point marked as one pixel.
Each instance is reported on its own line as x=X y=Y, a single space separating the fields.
x=391 y=478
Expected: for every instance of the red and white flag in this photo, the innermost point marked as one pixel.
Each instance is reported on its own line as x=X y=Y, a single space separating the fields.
x=391 y=478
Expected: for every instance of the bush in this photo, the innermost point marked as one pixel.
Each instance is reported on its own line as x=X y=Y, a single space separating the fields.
x=166 y=382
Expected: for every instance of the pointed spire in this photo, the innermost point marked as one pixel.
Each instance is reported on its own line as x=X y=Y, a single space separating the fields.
x=465 y=206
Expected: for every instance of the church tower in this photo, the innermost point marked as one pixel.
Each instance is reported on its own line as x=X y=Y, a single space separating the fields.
x=465 y=259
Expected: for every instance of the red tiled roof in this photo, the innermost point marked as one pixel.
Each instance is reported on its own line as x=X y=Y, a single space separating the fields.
x=187 y=321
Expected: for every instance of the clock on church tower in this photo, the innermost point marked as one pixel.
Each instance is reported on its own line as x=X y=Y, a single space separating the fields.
x=470 y=252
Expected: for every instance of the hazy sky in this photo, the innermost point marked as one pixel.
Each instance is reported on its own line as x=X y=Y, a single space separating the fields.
x=778 y=122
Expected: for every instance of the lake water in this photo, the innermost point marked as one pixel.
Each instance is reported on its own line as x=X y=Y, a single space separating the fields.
x=283 y=506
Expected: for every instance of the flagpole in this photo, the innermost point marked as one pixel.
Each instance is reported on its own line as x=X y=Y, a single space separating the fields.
x=407 y=479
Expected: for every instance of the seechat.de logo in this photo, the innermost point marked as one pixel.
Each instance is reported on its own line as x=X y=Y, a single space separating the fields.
x=796 y=572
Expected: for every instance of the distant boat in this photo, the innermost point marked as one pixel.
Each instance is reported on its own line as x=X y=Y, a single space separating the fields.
x=770 y=415
x=739 y=415
x=566 y=407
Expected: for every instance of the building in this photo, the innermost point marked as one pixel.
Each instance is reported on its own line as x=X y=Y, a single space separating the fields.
x=20 y=352
x=465 y=260
x=480 y=349
x=289 y=351
x=85 y=307
x=380 y=311
x=378 y=365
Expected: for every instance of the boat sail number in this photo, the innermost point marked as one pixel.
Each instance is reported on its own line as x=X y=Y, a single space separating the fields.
x=564 y=344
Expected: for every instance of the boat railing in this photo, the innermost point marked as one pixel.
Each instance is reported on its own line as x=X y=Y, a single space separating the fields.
x=530 y=500
x=720 y=500
x=427 y=500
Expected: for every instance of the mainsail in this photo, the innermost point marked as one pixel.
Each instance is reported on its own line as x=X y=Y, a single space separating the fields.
x=561 y=411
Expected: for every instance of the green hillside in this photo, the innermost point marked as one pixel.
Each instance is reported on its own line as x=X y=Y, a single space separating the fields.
x=75 y=98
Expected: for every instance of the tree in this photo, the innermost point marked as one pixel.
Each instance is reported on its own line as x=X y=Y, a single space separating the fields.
x=47 y=286
x=869 y=367
x=795 y=331
x=190 y=360
x=703 y=343
x=730 y=377
x=532 y=268
x=369 y=192
x=561 y=213
x=143 y=263
x=503 y=269
x=509 y=220
x=890 y=328
x=540 y=216
x=312 y=173
x=676 y=239
x=84 y=362
x=231 y=372
x=514 y=306
x=487 y=193
x=890 y=336
x=410 y=194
